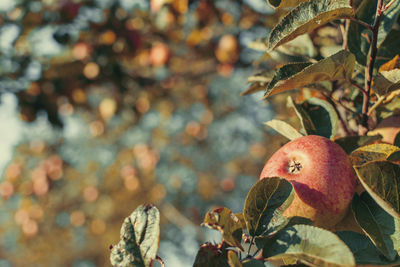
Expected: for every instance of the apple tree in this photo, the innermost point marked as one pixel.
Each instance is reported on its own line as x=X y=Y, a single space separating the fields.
x=342 y=58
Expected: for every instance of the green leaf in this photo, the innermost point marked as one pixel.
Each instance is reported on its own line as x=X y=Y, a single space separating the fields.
x=339 y=66
x=389 y=18
x=305 y=18
x=284 y=129
x=233 y=259
x=380 y=227
x=364 y=250
x=260 y=241
x=358 y=42
x=265 y=204
x=300 y=46
x=351 y=143
x=230 y=226
x=210 y=255
x=282 y=74
x=311 y=245
x=386 y=82
x=394 y=157
x=285 y=3
x=391 y=108
x=389 y=48
x=371 y=153
x=317 y=117
x=381 y=179
x=303 y=116
x=323 y=116
x=140 y=234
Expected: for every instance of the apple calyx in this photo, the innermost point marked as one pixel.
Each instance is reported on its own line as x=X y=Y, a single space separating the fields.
x=295 y=167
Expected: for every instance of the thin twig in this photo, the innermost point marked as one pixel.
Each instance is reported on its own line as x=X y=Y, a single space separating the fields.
x=158 y=258
x=333 y=102
x=344 y=106
x=250 y=245
x=341 y=120
x=345 y=32
x=388 y=5
x=362 y=23
x=376 y=104
x=357 y=86
x=370 y=67
x=258 y=250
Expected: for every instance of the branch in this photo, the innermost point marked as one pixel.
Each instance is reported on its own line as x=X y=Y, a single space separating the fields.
x=362 y=23
x=370 y=68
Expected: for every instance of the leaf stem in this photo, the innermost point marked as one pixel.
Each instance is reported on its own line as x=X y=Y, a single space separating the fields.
x=376 y=104
x=258 y=250
x=158 y=258
x=341 y=120
x=363 y=129
x=250 y=245
x=362 y=23
x=388 y=5
x=339 y=102
x=357 y=86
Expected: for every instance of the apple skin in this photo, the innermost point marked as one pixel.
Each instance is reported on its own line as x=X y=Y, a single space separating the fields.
x=321 y=174
x=388 y=128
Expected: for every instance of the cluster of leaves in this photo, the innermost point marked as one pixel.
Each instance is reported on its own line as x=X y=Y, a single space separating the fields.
x=261 y=233
x=341 y=109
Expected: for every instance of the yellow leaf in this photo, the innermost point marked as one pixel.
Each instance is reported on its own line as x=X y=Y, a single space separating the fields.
x=230 y=226
x=372 y=152
x=394 y=63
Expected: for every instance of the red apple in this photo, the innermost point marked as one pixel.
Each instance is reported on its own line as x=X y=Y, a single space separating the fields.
x=321 y=174
x=388 y=128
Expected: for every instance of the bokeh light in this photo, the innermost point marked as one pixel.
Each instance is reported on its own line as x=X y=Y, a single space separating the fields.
x=109 y=104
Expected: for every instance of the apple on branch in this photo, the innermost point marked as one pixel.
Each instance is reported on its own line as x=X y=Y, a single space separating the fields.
x=321 y=174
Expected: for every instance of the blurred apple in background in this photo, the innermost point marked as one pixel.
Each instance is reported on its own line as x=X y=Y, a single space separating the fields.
x=227 y=50
x=70 y=9
x=159 y=54
x=388 y=128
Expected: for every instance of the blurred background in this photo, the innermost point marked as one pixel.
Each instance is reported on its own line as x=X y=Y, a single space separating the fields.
x=108 y=104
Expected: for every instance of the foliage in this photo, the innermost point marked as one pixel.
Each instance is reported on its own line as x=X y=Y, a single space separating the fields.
x=279 y=239
x=140 y=235
x=340 y=80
